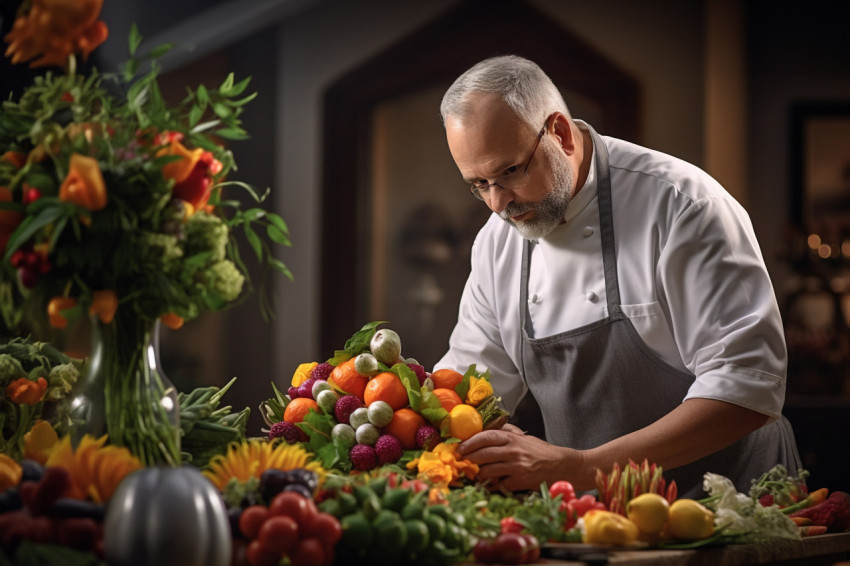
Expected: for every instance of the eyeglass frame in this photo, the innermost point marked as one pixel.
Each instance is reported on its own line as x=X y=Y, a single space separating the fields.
x=474 y=189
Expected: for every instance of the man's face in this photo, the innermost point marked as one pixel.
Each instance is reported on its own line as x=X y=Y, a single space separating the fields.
x=491 y=142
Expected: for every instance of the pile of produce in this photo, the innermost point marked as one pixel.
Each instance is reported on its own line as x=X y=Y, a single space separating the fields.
x=368 y=406
x=359 y=466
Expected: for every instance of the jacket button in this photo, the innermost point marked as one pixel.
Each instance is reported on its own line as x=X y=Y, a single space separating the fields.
x=588 y=231
x=592 y=297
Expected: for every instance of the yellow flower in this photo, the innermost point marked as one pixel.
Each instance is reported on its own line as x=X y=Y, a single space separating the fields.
x=442 y=467
x=39 y=441
x=249 y=459
x=10 y=473
x=479 y=389
x=302 y=373
x=95 y=469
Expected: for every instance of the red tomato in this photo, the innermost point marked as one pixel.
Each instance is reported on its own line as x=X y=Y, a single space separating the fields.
x=584 y=504
x=308 y=552
x=563 y=488
x=485 y=551
x=293 y=505
x=324 y=527
x=278 y=534
x=259 y=556
x=251 y=519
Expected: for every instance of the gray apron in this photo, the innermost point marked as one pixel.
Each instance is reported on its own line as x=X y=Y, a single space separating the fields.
x=601 y=381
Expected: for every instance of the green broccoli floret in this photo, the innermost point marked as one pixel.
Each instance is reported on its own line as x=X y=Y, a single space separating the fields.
x=206 y=233
x=224 y=280
x=158 y=249
x=10 y=369
x=61 y=380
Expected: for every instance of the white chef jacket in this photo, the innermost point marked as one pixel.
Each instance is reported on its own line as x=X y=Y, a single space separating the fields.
x=692 y=282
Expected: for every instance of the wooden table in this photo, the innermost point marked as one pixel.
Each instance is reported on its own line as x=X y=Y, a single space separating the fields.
x=822 y=550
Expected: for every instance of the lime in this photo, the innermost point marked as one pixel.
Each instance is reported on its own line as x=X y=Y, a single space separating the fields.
x=356 y=531
x=395 y=499
x=418 y=536
x=436 y=526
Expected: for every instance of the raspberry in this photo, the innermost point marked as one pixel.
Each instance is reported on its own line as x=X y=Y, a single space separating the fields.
x=388 y=449
x=346 y=405
x=363 y=457
x=322 y=371
x=427 y=437
x=420 y=372
x=289 y=431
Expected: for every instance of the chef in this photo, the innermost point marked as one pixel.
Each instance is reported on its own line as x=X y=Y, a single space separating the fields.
x=617 y=295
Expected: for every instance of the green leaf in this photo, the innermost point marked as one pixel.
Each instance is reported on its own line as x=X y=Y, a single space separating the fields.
x=411 y=383
x=221 y=110
x=254 y=240
x=226 y=85
x=279 y=266
x=232 y=133
x=277 y=221
x=160 y=51
x=195 y=115
x=238 y=88
x=243 y=101
x=462 y=388
x=30 y=226
x=203 y=95
x=134 y=39
x=359 y=341
x=435 y=416
x=253 y=214
x=276 y=235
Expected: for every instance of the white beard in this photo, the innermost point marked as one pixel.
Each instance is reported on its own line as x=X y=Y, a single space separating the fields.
x=550 y=211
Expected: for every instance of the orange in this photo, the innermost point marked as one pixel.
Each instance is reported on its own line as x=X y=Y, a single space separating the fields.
x=465 y=421
x=404 y=425
x=446 y=379
x=345 y=378
x=298 y=409
x=448 y=398
x=387 y=387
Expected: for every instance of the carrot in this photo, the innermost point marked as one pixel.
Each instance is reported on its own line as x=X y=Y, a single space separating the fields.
x=813 y=498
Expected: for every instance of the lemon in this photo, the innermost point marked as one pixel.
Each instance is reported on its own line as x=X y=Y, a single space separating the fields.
x=465 y=421
x=649 y=511
x=690 y=520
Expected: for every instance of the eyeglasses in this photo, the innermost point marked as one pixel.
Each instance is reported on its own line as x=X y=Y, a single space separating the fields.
x=515 y=178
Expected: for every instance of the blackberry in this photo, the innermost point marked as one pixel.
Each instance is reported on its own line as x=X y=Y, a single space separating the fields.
x=288 y=431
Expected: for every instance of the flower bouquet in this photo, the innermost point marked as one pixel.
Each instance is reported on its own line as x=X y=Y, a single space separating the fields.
x=112 y=206
x=368 y=406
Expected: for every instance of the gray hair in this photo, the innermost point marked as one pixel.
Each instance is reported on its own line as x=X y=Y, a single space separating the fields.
x=521 y=83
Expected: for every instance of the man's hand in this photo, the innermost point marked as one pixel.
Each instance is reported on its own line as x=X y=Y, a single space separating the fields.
x=515 y=461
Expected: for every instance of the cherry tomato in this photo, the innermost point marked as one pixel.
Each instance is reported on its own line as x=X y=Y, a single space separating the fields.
x=563 y=488
x=308 y=552
x=259 y=556
x=251 y=520
x=324 y=527
x=278 y=534
x=293 y=505
x=584 y=504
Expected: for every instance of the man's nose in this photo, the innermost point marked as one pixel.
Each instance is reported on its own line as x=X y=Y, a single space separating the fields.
x=499 y=198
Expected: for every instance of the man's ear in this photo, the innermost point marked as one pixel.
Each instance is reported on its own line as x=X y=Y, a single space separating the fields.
x=561 y=129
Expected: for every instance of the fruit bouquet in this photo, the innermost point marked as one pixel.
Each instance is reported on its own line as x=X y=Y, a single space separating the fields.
x=115 y=207
x=367 y=406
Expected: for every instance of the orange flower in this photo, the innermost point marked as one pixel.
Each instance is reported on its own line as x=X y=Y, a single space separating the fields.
x=179 y=169
x=442 y=467
x=95 y=469
x=104 y=304
x=172 y=321
x=55 y=308
x=39 y=441
x=84 y=185
x=25 y=391
x=10 y=473
x=16 y=158
x=54 y=29
x=192 y=174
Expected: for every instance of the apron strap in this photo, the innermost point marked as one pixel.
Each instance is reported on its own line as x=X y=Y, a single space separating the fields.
x=606 y=222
